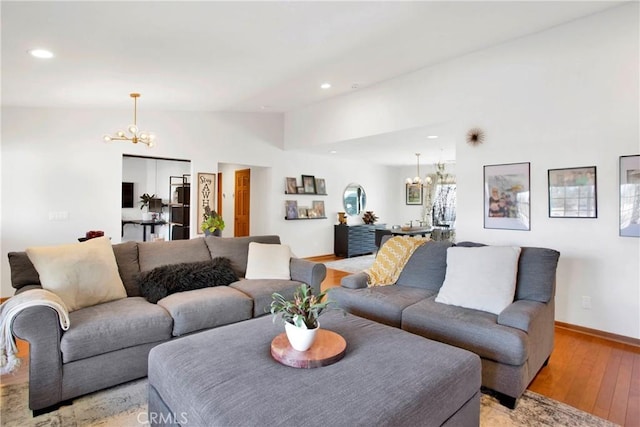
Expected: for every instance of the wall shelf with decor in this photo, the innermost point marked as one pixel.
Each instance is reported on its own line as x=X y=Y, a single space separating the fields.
x=293 y=211
x=296 y=219
x=310 y=186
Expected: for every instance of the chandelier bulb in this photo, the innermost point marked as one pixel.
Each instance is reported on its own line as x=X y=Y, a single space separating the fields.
x=150 y=144
x=133 y=129
x=152 y=137
x=120 y=134
x=144 y=136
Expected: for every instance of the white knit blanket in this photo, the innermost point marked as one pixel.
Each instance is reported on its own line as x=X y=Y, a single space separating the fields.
x=10 y=309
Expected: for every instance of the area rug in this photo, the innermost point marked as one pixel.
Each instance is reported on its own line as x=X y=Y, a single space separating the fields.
x=352 y=265
x=126 y=405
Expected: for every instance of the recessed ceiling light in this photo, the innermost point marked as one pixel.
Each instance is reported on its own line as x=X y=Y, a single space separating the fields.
x=432 y=137
x=325 y=85
x=332 y=152
x=41 y=53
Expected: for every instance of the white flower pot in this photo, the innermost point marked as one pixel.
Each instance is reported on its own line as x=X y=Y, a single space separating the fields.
x=301 y=339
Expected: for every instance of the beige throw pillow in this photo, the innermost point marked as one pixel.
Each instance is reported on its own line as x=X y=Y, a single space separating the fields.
x=266 y=261
x=81 y=274
x=481 y=278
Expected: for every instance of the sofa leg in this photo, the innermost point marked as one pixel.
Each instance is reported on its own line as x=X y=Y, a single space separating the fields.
x=37 y=412
x=503 y=399
x=546 y=362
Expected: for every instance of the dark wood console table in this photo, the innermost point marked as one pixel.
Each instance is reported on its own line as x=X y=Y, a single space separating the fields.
x=352 y=240
x=144 y=224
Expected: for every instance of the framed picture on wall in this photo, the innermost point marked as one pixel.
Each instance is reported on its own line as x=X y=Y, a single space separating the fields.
x=413 y=194
x=206 y=195
x=291 y=208
x=318 y=208
x=320 y=186
x=572 y=193
x=291 y=186
x=506 y=196
x=630 y=196
x=309 y=184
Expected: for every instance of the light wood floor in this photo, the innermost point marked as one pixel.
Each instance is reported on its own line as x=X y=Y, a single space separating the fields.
x=590 y=373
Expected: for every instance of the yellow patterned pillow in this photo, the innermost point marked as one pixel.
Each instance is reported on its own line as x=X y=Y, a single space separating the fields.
x=391 y=259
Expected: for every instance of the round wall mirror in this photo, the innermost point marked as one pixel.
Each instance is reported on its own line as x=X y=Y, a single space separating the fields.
x=354 y=199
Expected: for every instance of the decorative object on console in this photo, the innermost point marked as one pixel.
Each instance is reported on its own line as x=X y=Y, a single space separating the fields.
x=342 y=218
x=206 y=196
x=506 y=196
x=143 y=137
x=630 y=196
x=213 y=223
x=300 y=316
x=145 y=199
x=309 y=184
x=369 y=217
x=475 y=136
x=573 y=193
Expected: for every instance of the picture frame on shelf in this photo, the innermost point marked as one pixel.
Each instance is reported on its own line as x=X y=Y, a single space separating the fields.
x=413 y=194
x=309 y=184
x=291 y=208
x=302 y=212
x=206 y=195
x=291 y=185
x=318 y=208
x=573 y=192
x=321 y=187
x=300 y=190
x=629 y=196
x=507 y=196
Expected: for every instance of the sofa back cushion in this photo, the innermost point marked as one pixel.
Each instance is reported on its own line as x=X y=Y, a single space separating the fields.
x=236 y=249
x=128 y=266
x=536 y=273
x=427 y=266
x=159 y=253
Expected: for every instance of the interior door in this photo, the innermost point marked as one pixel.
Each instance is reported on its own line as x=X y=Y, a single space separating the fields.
x=241 y=203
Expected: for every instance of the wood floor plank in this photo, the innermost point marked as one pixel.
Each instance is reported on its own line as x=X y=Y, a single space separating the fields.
x=633 y=403
x=618 y=411
x=596 y=374
x=608 y=385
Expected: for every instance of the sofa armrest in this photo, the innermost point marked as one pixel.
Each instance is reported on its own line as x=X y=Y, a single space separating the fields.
x=309 y=272
x=355 y=281
x=521 y=314
x=40 y=326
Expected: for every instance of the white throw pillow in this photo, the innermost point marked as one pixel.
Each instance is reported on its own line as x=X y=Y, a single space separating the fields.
x=81 y=274
x=267 y=261
x=482 y=278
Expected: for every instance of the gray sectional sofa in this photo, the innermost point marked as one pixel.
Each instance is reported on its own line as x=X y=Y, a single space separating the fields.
x=108 y=344
x=513 y=346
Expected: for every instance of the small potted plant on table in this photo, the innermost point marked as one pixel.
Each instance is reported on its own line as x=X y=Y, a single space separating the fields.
x=212 y=223
x=300 y=316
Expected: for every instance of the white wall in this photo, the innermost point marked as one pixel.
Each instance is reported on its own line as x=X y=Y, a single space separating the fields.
x=566 y=97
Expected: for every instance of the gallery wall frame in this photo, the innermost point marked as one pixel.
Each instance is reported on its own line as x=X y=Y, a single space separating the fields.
x=413 y=194
x=573 y=192
x=507 y=196
x=309 y=184
x=629 y=190
x=206 y=195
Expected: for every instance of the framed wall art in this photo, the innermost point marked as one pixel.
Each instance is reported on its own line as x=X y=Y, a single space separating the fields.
x=506 y=196
x=413 y=194
x=309 y=184
x=291 y=186
x=573 y=193
x=321 y=187
x=630 y=196
x=318 y=208
x=206 y=195
x=291 y=209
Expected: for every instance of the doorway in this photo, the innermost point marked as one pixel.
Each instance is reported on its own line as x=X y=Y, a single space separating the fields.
x=242 y=207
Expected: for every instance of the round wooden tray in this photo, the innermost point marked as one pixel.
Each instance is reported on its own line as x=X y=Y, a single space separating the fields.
x=328 y=348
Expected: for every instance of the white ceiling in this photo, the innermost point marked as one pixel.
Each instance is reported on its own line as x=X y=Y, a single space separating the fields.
x=246 y=56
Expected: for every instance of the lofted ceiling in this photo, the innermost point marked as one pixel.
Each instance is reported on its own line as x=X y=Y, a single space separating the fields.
x=248 y=56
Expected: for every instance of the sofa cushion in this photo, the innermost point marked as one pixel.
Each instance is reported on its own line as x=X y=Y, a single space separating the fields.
x=187 y=276
x=206 y=308
x=383 y=304
x=481 y=278
x=23 y=273
x=536 y=272
x=473 y=330
x=113 y=326
x=427 y=266
x=267 y=261
x=156 y=254
x=128 y=266
x=236 y=249
x=260 y=290
x=81 y=274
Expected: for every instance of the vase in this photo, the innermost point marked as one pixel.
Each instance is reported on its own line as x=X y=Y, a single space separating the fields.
x=301 y=339
x=217 y=232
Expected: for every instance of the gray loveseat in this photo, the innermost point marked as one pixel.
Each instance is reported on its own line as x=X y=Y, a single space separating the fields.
x=108 y=344
x=513 y=346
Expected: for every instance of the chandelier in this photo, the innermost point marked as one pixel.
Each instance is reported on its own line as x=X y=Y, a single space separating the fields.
x=417 y=179
x=137 y=135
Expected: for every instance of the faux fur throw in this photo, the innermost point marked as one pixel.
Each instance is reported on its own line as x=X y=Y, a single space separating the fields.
x=169 y=279
x=391 y=259
x=11 y=308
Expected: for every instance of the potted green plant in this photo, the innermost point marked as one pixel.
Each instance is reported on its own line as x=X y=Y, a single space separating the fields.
x=212 y=223
x=300 y=315
x=144 y=202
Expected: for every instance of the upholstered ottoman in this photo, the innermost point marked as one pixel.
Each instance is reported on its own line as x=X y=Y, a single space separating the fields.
x=227 y=376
